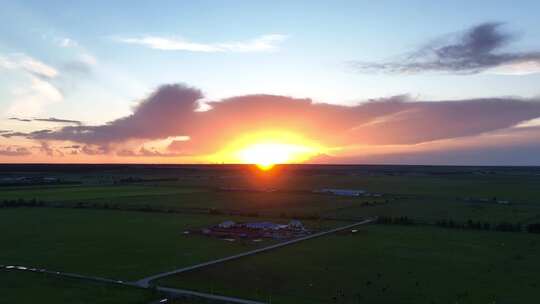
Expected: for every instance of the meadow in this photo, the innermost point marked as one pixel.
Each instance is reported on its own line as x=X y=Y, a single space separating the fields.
x=122 y=245
x=24 y=288
x=459 y=196
x=127 y=222
x=384 y=264
x=113 y=244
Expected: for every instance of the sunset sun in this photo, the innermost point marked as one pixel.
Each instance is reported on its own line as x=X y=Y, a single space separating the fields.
x=265 y=149
x=266 y=155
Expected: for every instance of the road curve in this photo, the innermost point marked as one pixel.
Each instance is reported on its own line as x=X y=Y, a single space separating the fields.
x=195 y=294
x=145 y=282
x=173 y=292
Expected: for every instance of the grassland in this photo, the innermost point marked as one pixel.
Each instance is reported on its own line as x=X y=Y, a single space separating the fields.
x=379 y=264
x=113 y=244
x=426 y=198
x=30 y=288
x=385 y=264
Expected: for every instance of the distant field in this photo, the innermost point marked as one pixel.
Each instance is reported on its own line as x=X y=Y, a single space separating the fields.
x=384 y=264
x=30 y=288
x=176 y=197
x=114 y=244
x=515 y=188
x=85 y=192
x=429 y=197
x=431 y=210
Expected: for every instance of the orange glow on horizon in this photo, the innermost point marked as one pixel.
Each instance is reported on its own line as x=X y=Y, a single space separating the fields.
x=269 y=148
x=267 y=154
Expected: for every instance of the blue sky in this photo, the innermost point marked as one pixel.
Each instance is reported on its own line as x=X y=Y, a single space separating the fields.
x=321 y=36
x=103 y=65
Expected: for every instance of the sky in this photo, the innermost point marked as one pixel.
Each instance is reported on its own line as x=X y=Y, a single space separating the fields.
x=393 y=82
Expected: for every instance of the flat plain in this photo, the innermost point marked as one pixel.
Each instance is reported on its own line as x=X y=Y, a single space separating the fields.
x=384 y=264
x=126 y=222
x=21 y=287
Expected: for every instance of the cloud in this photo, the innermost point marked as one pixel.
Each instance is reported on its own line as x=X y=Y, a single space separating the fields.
x=260 y=44
x=45 y=148
x=93 y=150
x=67 y=42
x=50 y=119
x=32 y=98
x=381 y=124
x=58 y=120
x=143 y=152
x=11 y=134
x=157 y=116
x=14 y=151
x=514 y=146
x=20 y=119
x=478 y=49
x=83 y=65
x=40 y=92
x=77 y=67
x=15 y=134
x=28 y=64
x=176 y=145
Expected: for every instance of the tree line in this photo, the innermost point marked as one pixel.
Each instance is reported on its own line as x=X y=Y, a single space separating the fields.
x=469 y=224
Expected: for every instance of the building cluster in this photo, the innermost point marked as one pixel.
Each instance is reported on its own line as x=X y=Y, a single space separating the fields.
x=230 y=229
x=29 y=180
x=342 y=192
x=493 y=200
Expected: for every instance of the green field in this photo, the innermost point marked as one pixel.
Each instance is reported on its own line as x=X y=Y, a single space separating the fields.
x=176 y=197
x=113 y=244
x=89 y=192
x=73 y=232
x=30 y=288
x=418 y=196
x=384 y=264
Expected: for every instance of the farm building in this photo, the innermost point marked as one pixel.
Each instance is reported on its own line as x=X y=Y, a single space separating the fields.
x=296 y=225
x=230 y=229
x=265 y=226
x=342 y=192
x=227 y=224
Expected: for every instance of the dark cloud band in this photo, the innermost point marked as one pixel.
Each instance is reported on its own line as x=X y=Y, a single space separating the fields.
x=171 y=111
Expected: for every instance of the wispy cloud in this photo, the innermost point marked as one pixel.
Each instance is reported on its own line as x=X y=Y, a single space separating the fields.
x=260 y=44
x=50 y=119
x=28 y=64
x=67 y=42
x=475 y=50
x=14 y=151
x=31 y=98
x=59 y=120
x=144 y=152
x=20 y=119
